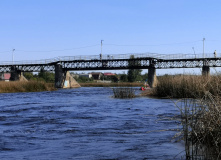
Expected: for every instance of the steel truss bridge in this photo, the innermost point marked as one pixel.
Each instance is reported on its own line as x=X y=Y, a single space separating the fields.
x=115 y=62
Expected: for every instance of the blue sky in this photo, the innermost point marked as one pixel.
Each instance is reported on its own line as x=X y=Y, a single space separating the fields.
x=42 y=29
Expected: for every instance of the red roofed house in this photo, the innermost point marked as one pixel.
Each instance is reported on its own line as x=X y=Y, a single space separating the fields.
x=5 y=77
x=109 y=74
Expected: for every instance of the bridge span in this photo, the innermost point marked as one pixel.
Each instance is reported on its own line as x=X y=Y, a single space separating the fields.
x=148 y=61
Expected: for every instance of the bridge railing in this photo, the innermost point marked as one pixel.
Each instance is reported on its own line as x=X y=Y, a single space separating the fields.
x=107 y=56
x=186 y=56
x=112 y=56
x=43 y=61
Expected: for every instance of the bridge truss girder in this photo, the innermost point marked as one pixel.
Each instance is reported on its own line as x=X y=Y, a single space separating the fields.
x=28 y=68
x=187 y=63
x=116 y=64
x=106 y=64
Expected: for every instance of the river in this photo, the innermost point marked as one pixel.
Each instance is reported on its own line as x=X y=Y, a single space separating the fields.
x=86 y=124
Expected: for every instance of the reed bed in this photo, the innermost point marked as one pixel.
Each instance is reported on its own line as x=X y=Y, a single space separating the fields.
x=201 y=127
x=123 y=92
x=187 y=86
x=200 y=108
x=30 y=86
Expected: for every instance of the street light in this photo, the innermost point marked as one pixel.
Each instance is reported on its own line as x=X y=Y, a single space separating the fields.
x=101 y=49
x=194 y=52
x=203 y=48
x=13 y=56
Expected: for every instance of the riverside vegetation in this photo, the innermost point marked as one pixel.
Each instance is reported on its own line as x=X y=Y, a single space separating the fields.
x=44 y=81
x=30 y=86
x=123 y=92
x=187 y=86
x=200 y=108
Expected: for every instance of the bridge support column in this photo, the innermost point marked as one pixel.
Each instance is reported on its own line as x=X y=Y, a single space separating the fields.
x=63 y=79
x=205 y=71
x=15 y=74
x=152 y=78
x=59 y=76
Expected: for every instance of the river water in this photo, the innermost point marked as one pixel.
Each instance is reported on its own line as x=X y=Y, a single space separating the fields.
x=86 y=124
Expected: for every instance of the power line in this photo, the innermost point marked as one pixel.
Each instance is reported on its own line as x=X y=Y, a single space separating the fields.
x=59 y=50
x=128 y=45
x=5 y=51
x=119 y=45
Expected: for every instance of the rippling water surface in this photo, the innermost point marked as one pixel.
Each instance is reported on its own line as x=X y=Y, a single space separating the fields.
x=86 y=124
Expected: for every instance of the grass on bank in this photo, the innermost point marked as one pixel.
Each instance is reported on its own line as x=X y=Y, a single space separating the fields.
x=30 y=86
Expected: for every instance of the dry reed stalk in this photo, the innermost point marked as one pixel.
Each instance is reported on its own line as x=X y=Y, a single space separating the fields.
x=200 y=116
x=123 y=92
x=187 y=86
x=31 y=86
x=201 y=121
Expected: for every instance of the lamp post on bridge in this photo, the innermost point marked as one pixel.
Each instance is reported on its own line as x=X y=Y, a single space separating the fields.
x=203 y=48
x=101 y=49
x=13 y=56
x=194 y=52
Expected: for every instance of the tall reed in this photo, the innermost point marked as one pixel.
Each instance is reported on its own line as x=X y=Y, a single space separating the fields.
x=200 y=109
x=201 y=121
x=30 y=86
x=123 y=92
x=187 y=86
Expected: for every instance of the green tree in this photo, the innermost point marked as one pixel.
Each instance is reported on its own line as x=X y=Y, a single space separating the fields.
x=46 y=76
x=83 y=79
x=114 y=78
x=134 y=74
x=145 y=77
x=123 y=78
x=28 y=75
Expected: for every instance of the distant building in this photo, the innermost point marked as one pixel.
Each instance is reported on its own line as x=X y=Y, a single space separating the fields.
x=109 y=74
x=5 y=76
x=89 y=75
x=96 y=75
x=111 y=77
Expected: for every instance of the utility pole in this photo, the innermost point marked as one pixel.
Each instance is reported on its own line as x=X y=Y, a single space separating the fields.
x=203 y=48
x=101 y=49
x=101 y=56
x=13 y=56
x=194 y=51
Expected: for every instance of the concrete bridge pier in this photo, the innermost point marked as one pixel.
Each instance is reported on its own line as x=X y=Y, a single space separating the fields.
x=152 y=78
x=63 y=79
x=205 y=71
x=59 y=76
x=15 y=74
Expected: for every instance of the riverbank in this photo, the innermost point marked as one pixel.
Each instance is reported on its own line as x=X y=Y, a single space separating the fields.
x=120 y=84
x=30 y=86
x=38 y=86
